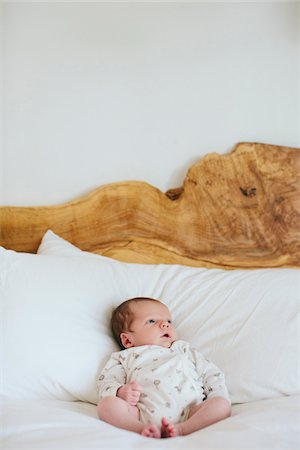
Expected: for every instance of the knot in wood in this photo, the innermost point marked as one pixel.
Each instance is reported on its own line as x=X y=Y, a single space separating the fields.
x=248 y=192
x=174 y=194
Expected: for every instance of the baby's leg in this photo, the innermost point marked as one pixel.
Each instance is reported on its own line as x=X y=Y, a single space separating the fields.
x=203 y=415
x=118 y=412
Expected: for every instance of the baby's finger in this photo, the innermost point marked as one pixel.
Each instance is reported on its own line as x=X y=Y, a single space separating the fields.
x=135 y=385
x=135 y=395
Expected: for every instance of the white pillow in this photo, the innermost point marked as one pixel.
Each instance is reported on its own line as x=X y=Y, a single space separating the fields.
x=54 y=342
x=57 y=304
x=236 y=318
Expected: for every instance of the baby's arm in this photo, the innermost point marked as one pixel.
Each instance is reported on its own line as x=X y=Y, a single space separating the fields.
x=112 y=377
x=213 y=379
x=112 y=382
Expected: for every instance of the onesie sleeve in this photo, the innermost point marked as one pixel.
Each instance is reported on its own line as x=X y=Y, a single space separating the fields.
x=213 y=378
x=112 y=376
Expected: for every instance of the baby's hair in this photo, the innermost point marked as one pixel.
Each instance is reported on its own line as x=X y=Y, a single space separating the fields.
x=122 y=317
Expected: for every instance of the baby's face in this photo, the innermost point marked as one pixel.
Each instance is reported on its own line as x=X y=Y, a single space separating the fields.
x=152 y=325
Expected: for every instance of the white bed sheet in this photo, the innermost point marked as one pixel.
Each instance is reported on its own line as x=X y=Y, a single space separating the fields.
x=267 y=424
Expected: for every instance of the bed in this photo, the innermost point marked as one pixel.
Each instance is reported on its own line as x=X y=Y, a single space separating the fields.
x=222 y=251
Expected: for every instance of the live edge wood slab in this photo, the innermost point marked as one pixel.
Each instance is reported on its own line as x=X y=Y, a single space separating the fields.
x=238 y=210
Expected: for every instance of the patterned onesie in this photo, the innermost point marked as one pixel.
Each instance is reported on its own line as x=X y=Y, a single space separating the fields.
x=172 y=379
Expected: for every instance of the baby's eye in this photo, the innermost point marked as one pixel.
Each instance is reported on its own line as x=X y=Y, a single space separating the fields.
x=150 y=321
x=169 y=321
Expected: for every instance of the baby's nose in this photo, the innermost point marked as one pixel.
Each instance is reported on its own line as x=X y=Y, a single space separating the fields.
x=165 y=324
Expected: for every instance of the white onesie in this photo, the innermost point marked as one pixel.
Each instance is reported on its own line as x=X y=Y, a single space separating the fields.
x=172 y=379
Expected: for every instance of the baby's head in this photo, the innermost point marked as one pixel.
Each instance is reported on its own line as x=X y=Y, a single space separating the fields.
x=142 y=321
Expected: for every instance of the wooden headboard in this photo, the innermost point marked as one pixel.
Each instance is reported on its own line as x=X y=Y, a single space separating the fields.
x=239 y=210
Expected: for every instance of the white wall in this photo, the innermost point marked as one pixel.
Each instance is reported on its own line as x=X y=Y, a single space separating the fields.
x=1 y=108
x=298 y=75
x=96 y=93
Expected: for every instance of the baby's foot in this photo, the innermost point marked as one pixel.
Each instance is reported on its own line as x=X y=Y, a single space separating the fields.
x=168 y=429
x=151 y=431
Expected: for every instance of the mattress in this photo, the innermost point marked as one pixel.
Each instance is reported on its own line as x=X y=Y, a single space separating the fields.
x=53 y=424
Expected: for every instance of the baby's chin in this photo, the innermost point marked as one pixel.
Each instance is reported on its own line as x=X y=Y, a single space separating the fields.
x=167 y=343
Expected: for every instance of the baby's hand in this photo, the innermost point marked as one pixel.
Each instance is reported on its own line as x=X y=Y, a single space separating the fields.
x=130 y=392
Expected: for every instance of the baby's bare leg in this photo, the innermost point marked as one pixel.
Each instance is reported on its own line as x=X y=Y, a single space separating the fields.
x=118 y=412
x=210 y=411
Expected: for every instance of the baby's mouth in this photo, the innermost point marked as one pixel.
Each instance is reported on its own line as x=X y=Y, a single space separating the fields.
x=166 y=335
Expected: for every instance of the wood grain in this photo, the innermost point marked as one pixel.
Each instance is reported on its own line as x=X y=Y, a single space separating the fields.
x=239 y=210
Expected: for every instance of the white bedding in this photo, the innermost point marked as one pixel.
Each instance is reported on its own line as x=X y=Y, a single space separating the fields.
x=55 y=337
x=54 y=424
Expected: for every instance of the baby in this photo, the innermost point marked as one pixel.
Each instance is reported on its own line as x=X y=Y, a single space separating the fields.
x=158 y=386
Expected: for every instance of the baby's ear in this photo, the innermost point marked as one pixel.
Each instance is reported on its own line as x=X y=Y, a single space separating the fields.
x=126 y=341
